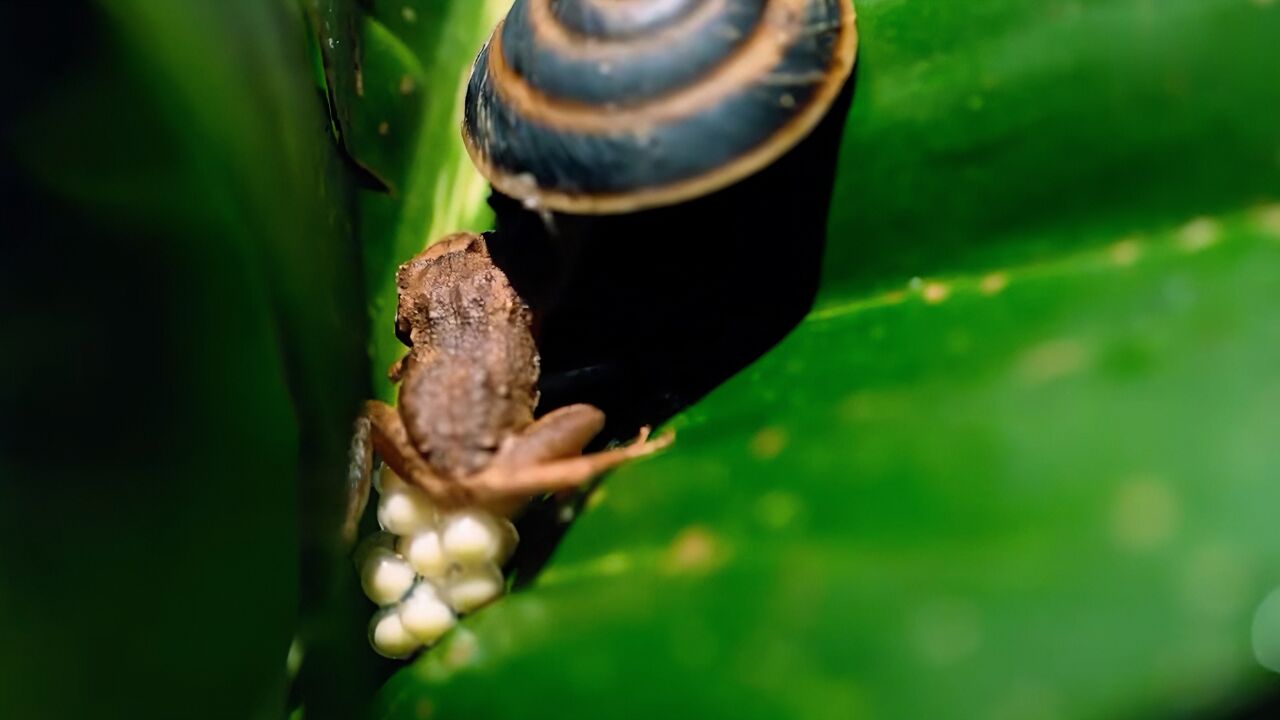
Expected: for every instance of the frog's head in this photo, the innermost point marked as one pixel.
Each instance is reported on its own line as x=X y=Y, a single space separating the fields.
x=426 y=274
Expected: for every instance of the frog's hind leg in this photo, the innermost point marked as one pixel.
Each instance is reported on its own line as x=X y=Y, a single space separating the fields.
x=386 y=435
x=561 y=433
x=544 y=458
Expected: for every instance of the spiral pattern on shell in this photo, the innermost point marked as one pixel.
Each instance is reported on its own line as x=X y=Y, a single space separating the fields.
x=597 y=106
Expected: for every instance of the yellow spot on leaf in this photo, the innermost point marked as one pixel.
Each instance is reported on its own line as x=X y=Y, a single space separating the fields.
x=1145 y=514
x=1125 y=252
x=409 y=14
x=1269 y=220
x=615 y=563
x=384 y=128
x=694 y=550
x=1054 y=359
x=768 y=443
x=993 y=283
x=462 y=649
x=406 y=84
x=935 y=292
x=1199 y=234
x=595 y=498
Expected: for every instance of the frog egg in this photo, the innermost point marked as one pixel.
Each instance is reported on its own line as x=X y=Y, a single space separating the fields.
x=424 y=615
x=370 y=543
x=476 y=536
x=388 y=636
x=404 y=509
x=424 y=552
x=473 y=587
x=385 y=576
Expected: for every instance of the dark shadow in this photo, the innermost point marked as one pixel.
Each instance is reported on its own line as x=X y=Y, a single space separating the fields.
x=643 y=314
x=1263 y=707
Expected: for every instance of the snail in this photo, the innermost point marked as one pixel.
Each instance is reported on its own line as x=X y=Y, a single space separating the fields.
x=614 y=106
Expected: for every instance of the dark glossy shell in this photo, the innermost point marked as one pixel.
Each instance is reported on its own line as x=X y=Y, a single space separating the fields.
x=595 y=106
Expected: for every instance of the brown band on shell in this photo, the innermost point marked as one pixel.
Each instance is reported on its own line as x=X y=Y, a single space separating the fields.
x=518 y=185
x=753 y=59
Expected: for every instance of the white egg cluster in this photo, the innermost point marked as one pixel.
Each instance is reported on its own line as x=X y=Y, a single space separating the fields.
x=426 y=566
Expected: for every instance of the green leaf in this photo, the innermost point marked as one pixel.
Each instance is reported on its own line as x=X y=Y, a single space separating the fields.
x=1040 y=492
x=1016 y=464
x=186 y=357
x=996 y=130
x=404 y=126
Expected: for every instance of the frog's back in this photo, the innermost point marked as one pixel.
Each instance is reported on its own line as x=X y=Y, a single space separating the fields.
x=471 y=376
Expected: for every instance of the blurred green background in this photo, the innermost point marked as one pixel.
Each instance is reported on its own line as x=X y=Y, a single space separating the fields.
x=1020 y=461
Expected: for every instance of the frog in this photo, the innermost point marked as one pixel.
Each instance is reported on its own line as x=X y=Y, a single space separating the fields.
x=463 y=428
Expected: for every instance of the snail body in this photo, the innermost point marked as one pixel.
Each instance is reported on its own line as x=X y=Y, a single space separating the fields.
x=606 y=106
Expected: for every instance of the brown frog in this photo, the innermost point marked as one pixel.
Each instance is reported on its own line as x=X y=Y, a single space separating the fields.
x=463 y=429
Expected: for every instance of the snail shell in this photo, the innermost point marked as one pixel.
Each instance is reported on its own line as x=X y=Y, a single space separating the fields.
x=604 y=106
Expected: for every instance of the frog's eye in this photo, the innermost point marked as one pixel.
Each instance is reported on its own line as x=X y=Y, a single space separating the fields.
x=476 y=244
x=402 y=327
